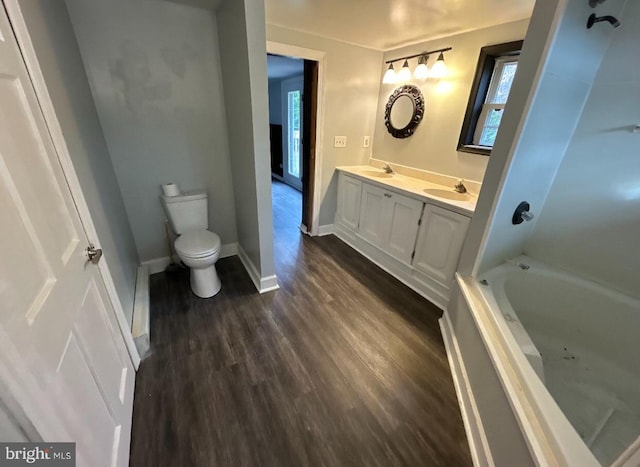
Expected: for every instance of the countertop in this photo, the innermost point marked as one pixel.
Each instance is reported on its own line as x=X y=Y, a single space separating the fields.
x=416 y=188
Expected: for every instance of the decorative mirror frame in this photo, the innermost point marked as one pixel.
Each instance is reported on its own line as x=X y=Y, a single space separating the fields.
x=416 y=96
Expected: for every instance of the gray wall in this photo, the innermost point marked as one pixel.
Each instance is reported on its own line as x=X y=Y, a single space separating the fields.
x=590 y=223
x=241 y=27
x=154 y=73
x=433 y=146
x=66 y=81
x=275 y=101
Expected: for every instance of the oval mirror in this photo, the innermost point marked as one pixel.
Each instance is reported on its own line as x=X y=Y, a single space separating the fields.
x=404 y=111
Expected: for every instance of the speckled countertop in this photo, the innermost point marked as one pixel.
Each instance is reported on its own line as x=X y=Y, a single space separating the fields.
x=430 y=192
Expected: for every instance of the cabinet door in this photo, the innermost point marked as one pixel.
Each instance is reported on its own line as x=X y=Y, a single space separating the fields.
x=372 y=218
x=349 y=195
x=440 y=240
x=402 y=217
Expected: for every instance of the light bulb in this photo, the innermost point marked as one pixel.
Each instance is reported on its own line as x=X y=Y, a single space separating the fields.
x=405 y=73
x=421 y=71
x=439 y=69
x=390 y=75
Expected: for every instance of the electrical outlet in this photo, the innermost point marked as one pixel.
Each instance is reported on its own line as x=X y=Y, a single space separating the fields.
x=340 y=142
x=366 y=141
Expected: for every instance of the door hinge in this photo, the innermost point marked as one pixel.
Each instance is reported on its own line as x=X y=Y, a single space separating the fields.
x=413 y=255
x=420 y=221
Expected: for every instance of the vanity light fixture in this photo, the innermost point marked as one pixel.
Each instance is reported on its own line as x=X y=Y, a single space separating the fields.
x=438 y=71
x=404 y=74
x=390 y=75
x=421 y=71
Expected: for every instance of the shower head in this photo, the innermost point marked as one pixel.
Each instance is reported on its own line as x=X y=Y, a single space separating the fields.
x=593 y=19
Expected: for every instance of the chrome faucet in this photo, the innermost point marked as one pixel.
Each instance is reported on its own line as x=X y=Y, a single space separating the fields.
x=387 y=168
x=459 y=187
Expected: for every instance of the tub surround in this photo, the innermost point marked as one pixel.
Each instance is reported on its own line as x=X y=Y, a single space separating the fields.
x=518 y=417
x=585 y=358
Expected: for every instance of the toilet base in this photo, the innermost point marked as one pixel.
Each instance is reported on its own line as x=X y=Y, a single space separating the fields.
x=205 y=282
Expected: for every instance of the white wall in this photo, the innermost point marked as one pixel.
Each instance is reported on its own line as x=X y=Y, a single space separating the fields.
x=433 y=146
x=154 y=72
x=243 y=56
x=352 y=81
x=555 y=75
x=590 y=223
x=59 y=59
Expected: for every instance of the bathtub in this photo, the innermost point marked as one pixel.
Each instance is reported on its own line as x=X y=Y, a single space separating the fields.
x=582 y=341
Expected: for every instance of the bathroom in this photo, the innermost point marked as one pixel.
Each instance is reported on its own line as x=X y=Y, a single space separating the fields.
x=152 y=92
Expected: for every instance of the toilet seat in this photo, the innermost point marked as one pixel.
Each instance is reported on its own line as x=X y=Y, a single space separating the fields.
x=197 y=244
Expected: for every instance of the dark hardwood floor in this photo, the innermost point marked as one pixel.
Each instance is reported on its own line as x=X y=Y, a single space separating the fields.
x=343 y=365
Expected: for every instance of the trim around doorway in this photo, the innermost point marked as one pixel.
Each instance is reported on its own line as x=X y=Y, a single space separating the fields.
x=318 y=56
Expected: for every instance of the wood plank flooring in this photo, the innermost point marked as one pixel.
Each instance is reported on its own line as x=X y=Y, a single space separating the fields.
x=342 y=366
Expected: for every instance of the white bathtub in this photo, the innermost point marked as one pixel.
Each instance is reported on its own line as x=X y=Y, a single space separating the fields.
x=582 y=340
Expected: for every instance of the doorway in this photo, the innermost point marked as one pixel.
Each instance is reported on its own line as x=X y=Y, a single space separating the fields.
x=293 y=97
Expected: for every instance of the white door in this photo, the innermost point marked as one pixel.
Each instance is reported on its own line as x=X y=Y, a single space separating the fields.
x=402 y=224
x=372 y=214
x=442 y=233
x=292 y=131
x=61 y=353
x=349 y=193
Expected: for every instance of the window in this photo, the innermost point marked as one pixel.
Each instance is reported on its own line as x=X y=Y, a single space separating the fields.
x=496 y=70
x=293 y=98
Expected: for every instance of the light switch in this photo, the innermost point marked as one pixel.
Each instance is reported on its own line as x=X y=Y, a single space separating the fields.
x=340 y=142
x=366 y=141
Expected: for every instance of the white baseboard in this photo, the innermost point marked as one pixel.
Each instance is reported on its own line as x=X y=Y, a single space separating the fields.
x=141 y=325
x=325 y=230
x=262 y=284
x=159 y=264
x=476 y=436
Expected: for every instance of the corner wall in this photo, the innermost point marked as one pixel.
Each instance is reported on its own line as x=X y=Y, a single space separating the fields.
x=154 y=72
x=243 y=57
x=554 y=79
x=433 y=146
x=351 y=85
x=59 y=59
x=590 y=223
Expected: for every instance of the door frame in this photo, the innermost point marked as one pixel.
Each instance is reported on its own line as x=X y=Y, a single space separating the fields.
x=279 y=48
x=23 y=38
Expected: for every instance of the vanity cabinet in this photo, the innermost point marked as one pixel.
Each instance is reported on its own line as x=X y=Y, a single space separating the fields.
x=389 y=221
x=349 y=196
x=416 y=241
x=442 y=233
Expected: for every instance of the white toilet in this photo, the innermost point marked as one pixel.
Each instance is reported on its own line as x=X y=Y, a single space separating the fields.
x=198 y=248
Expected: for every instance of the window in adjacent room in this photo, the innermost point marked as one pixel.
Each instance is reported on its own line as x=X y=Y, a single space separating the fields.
x=496 y=70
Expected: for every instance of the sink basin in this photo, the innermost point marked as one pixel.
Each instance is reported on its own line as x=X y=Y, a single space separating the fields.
x=376 y=174
x=448 y=194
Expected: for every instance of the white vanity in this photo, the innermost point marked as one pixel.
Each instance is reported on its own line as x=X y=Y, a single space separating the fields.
x=412 y=228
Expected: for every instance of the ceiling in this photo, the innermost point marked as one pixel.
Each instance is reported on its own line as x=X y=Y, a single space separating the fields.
x=282 y=67
x=387 y=24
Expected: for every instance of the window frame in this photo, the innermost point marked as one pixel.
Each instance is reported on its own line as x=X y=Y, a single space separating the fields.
x=487 y=60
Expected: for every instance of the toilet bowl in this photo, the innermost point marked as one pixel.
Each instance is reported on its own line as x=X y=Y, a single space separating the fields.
x=199 y=250
x=197 y=247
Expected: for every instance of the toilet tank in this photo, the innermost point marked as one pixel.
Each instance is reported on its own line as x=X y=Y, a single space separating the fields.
x=187 y=211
